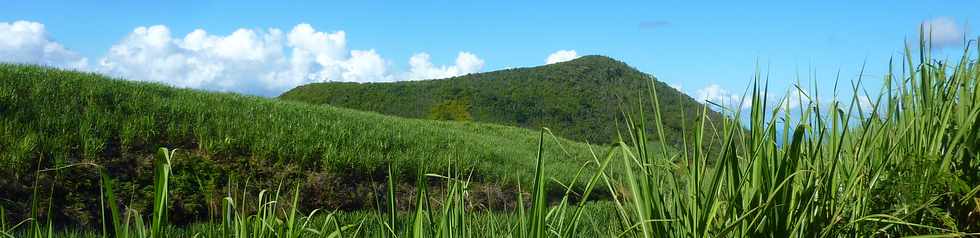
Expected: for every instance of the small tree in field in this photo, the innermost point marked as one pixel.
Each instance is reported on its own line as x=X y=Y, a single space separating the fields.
x=451 y=110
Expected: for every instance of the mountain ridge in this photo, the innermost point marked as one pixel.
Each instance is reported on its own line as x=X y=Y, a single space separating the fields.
x=582 y=99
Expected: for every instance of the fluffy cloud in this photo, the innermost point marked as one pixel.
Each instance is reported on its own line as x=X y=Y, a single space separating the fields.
x=422 y=68
x=198 y=60
x=320 y=57
x=561 y=56
x=262 y=62
x=718 y=95
x=28 y=42
x=251 y=61
x=944 y=31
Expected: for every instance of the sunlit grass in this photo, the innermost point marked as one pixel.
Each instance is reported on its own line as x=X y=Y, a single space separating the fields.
x=905 y=164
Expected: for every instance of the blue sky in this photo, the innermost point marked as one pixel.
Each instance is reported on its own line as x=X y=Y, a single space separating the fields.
x=695 y=46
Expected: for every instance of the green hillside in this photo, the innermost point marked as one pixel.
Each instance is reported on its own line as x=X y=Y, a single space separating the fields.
x=75 y=121
x=581 y=99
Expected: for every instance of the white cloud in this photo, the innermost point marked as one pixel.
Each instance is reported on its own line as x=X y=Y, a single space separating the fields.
x=262 y=62
x=28 y=42
x=332 y=45
x=944 y=31
x=251 y=61
x=198 y=60
x=718 y=95
x=422 y=68
x=320 y=57
x=561 y=56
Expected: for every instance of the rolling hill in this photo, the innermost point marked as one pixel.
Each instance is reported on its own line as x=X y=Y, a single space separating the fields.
x=582 y=99
x=76 y=121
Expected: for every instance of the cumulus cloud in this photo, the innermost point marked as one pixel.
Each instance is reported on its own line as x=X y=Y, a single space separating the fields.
x=422 y=67
x=561 y=56
x=28 y=42
x=252 y=61
x=716 y=94
x=262 y=62
x=944 y=31
x=320 y=57
x=198 y=60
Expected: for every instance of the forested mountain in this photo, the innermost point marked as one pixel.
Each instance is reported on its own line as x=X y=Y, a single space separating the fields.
x=582 y=99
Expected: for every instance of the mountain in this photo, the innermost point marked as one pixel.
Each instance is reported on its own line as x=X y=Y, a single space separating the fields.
x=77 y=122
x=582 y=99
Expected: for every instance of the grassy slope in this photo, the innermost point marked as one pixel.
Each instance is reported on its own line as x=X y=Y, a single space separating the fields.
x=580 y=99
x=58 y=118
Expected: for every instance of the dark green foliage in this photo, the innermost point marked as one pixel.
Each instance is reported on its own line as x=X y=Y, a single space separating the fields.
x=451 y=110
x=62 y=118
x=580 y=99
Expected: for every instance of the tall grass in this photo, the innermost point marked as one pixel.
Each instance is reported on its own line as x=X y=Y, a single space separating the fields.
x=269 y=219
x=902 y=163
x=58 y=118
x=838 y=165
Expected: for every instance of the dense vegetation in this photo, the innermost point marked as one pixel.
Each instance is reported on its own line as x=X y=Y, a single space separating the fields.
x=905 y=164
x=52 y=118
x=581 y=99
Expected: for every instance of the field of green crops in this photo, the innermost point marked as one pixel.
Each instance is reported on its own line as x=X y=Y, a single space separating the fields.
x=902 y=162
x=69 y=124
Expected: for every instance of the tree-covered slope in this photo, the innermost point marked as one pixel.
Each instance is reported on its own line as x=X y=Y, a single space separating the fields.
x=581 y=99
x=76 y=121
